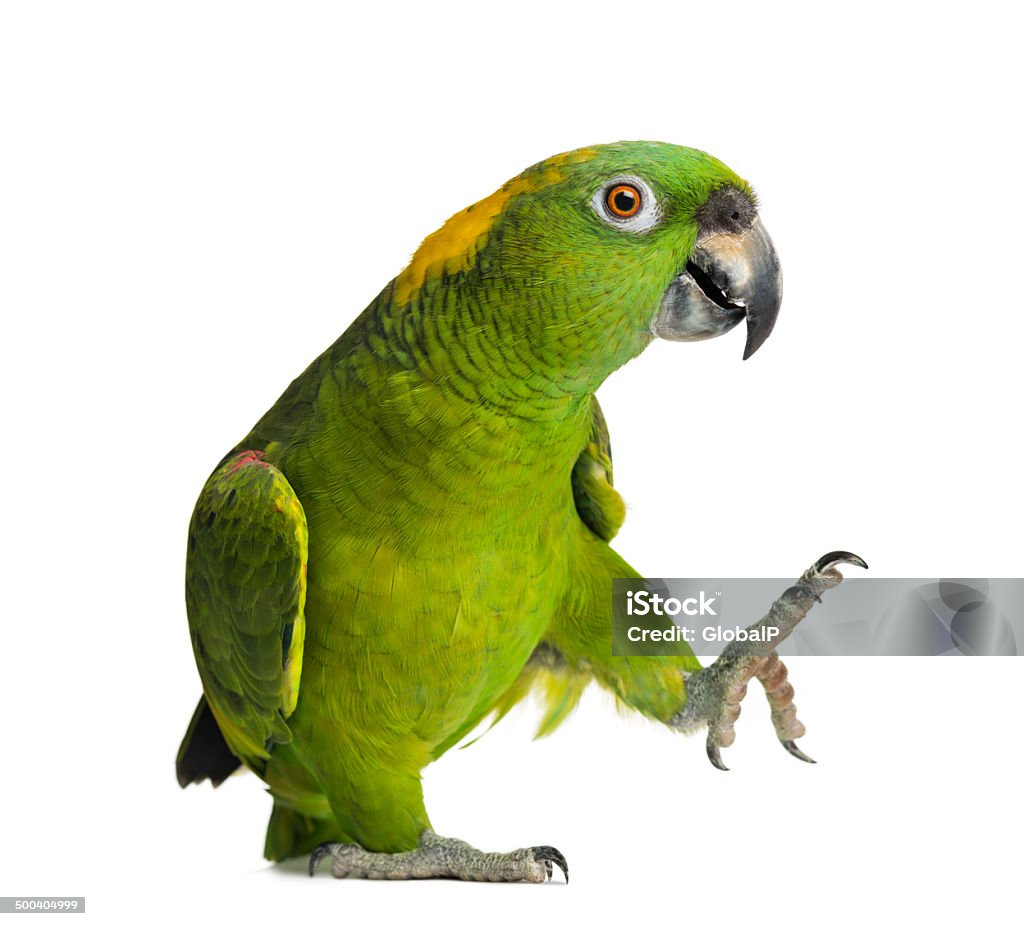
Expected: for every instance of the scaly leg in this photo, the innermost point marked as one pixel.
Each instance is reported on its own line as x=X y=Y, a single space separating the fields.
x=714 y=694
x=441 y=857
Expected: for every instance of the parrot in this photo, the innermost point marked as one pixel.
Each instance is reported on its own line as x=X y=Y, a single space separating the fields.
x=416 y=536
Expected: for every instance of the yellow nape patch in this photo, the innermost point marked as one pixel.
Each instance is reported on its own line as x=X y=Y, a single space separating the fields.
x=454 y=246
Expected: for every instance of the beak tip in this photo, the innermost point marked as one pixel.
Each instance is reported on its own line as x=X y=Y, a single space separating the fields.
x=760 y=324
x=756 y=336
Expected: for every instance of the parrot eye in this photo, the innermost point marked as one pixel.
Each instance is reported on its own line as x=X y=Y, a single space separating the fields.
x=623 y=200
x=627 y=203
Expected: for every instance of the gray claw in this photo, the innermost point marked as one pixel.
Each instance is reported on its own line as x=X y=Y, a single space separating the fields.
x=716 y=756
x=795 y=750
x=319 y=854
x=549 y=854
x=838 y=556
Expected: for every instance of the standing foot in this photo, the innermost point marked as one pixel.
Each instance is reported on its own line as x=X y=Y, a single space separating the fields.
x=441 y=857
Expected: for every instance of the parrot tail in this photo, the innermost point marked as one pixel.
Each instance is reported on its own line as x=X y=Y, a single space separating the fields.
x=203 y=753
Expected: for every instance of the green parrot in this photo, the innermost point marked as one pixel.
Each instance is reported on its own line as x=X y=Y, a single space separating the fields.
x=416 y=535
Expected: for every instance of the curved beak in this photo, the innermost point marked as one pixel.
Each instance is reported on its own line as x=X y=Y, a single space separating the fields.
x=728 y=277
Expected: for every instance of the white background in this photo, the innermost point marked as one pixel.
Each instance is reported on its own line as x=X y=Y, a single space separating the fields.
x=198 y=197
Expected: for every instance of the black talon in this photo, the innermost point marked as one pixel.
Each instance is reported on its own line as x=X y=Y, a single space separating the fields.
x=549 y=854
x=319 y=854
x=716 y=757
x=795 y=750
x=838 y=556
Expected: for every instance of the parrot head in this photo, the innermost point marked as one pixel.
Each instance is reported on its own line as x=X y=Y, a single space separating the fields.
x=588 y=256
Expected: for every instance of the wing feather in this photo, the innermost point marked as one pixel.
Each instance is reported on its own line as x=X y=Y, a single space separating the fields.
x=599 y=506
x=245 y=591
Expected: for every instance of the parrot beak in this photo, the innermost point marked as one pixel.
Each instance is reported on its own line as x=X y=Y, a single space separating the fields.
x=729 y=277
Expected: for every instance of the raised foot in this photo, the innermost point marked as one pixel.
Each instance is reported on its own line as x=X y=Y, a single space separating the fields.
x=441 y=857
x=714 y=694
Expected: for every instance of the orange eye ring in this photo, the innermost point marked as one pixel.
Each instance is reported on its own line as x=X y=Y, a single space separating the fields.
x=623 y=200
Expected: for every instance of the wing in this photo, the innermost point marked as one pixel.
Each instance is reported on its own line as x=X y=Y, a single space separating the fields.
x=599 y=506
x=245 y=590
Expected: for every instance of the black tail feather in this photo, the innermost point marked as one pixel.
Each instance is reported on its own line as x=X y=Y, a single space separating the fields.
x=203 y=753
